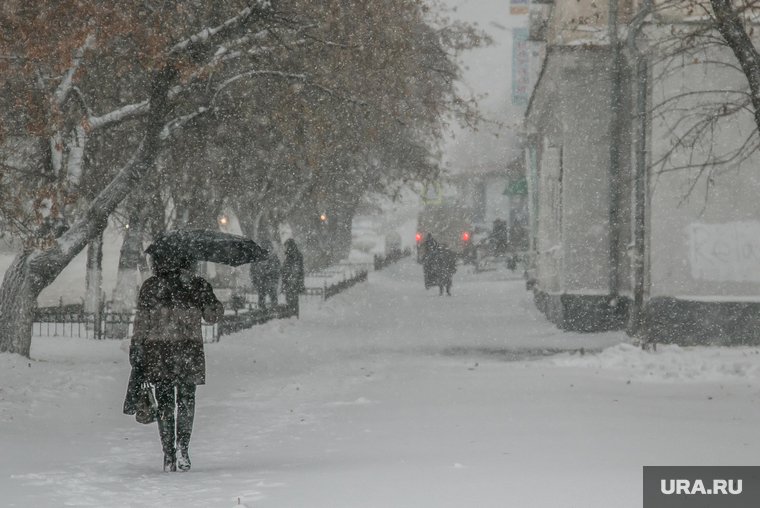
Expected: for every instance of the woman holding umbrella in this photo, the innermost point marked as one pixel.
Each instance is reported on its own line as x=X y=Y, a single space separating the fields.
x=167 y=347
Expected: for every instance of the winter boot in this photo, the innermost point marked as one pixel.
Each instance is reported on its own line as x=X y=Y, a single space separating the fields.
x=183 y=460
x=166 y=432
x=185 y=416
x=170 y=464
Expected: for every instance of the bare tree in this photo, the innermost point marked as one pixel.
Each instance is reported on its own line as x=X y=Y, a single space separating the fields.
x=153 y=75
x=48 y=251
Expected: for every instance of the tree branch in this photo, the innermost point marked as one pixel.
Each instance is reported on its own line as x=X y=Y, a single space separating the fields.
x=731 y=27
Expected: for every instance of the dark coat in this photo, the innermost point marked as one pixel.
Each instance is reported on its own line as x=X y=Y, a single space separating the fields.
x=430 y=246
x=265 y=274
x=167 y=343
x=440 y=265
x=292 y=270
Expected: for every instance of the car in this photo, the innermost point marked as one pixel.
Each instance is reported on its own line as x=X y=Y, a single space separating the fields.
x=450 y=226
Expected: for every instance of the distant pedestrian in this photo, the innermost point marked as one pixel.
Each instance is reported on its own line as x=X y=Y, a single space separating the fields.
x=439 y=265
x=445 y=263
x=265 y=275
x=429 y=249
x=499 y=237
x=292 y=275
x=167 y=348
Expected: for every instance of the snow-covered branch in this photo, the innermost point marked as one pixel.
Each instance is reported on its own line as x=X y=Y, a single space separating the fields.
x=206 y=34
x=64 y=87
x=233 y=79
x=117 y=115
x=177 y=123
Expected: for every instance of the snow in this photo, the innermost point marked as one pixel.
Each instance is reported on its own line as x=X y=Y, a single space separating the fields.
x=719 y=298
x=385 y=395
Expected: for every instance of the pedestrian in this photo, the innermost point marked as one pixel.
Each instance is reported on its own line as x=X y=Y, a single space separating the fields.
x=439 y=266
x=446 y=267
x=292 y=276
x=499 y=237
x=265 y=275
x=167 y=348
x=429 y=250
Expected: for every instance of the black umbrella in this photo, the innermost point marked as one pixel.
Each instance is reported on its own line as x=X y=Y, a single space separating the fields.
x=206 y=245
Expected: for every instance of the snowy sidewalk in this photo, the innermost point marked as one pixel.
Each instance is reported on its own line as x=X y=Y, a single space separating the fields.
x=385 y=396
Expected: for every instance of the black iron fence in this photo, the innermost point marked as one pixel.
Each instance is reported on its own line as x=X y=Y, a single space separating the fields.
x=336 y=288
x=381 y=261
x=73 y=321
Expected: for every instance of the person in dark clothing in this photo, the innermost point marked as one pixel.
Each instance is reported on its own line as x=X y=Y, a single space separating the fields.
x=265 y=275
x=167 y=348
x=292 y=275
x=430 y=247
x=499 y=237
x=439 y=266
x=446 y=267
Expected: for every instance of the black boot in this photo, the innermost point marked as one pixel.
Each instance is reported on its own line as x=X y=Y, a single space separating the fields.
x=183 y=460
x=185 y=416
x=166 y=431
x=170 y=464
x=165 y=397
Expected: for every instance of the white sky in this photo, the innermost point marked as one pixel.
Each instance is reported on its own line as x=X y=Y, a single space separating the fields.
x=488 y=71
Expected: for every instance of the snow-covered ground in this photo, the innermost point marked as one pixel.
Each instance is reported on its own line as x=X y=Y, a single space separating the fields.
x=384 y=396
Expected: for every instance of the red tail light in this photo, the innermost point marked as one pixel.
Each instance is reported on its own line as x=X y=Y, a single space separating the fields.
x=465 y=236
x=418 y=237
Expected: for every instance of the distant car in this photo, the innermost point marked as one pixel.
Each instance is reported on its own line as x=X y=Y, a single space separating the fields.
x=450 y=225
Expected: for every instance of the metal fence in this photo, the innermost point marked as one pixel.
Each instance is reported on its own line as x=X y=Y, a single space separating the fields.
x=381 y=261
x=72 y=321
x=336 y=288
x=62 y=322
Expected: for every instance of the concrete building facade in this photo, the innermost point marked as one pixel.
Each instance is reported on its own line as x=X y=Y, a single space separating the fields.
x=679 y=260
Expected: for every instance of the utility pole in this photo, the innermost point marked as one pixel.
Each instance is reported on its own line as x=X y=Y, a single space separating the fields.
x=638 y=321
x=616 y=93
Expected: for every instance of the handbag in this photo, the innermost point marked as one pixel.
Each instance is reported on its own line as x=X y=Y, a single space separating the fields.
x=147 y=406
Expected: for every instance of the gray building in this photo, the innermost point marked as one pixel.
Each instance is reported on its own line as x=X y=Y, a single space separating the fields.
x=644 y=216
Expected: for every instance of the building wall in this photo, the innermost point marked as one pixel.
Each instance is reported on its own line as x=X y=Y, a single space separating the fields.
x=577 y=22
x=572 y=117
x=570 y=121
x=704 y=220
x=704 y=211
x=702 y=263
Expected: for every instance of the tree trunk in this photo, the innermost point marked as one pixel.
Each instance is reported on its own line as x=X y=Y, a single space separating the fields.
x=18 y=302
x=125 y=293
x=94 y=281
x=34 y=270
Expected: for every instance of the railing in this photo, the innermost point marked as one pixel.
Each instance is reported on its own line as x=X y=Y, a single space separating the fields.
x=72 y=321
x=65 y=322
x=334 y=289
x=381 y=261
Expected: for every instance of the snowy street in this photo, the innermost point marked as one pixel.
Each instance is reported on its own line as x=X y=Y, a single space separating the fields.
x=385 y=396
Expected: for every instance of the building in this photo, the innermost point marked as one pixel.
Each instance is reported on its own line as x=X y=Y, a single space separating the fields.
x=641 y=189
x=496 y=192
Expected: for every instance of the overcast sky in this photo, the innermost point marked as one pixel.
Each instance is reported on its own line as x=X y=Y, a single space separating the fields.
x=488 y=72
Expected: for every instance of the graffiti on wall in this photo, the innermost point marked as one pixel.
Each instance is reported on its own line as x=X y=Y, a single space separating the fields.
x=725 y=252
